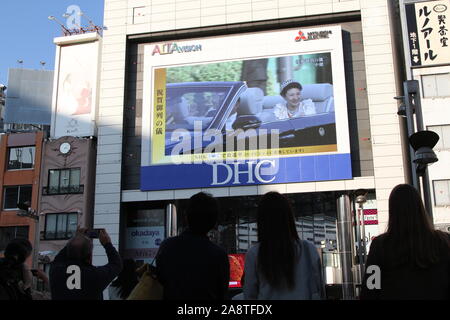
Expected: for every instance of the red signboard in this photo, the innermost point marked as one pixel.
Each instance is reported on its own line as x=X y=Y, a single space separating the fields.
x=370 y=216
x=237 y=262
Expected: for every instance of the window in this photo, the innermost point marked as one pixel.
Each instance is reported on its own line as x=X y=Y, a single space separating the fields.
x=16 y=194
x=63 y=181
x=441 y=192
x=436 y=85
x=60 y=225
x=444 y=136
x=21 y=158
x=9 y=233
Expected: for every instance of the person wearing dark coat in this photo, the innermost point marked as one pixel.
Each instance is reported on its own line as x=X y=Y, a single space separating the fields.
x=411 y=260
x=190 y=266
x=72 y=275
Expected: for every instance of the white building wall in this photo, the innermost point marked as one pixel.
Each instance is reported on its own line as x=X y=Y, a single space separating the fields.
x=110 y=125
x=127 y=17
x=381 y=89
x=436 y=111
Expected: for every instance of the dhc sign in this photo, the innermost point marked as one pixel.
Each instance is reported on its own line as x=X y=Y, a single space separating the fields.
x=248 y=172
x=252 y=172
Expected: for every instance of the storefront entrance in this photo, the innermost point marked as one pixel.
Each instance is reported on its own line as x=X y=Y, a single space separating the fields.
x=146 y=224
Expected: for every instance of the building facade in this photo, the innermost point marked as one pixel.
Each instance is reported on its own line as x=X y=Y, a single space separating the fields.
x=67 y=190
x=140 y=37
x=428 y=63
x=19 y=177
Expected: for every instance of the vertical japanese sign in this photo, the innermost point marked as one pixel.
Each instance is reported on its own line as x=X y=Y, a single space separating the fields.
x=428 y=24
x=159 y=124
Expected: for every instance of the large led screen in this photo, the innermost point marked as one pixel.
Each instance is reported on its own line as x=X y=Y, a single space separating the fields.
x=249 y=109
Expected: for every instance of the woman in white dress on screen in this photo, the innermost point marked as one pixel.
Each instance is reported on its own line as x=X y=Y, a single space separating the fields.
x=293 y=107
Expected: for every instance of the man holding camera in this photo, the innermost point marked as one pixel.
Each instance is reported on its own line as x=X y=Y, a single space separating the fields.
x=72 y=275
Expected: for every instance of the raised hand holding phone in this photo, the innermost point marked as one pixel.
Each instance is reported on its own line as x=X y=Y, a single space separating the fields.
x=104 y=237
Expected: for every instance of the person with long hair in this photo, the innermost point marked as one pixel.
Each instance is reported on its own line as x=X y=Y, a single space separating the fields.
x=127 y=279
x=15 y=275
x=281 y=266
x=410 y=260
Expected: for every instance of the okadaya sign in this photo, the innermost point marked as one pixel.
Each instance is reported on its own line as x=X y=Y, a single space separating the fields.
x=213 y=115
x=144 y=233
x=428 y=25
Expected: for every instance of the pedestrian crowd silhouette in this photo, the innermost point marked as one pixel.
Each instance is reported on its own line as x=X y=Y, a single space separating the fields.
x=411 y=257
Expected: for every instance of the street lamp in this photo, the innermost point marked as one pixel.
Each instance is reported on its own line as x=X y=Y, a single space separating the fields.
x=360 y=199
x=420 y=142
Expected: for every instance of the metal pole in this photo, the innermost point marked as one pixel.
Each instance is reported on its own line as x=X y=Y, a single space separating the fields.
x=358 y=237
x=363 y=240
x=427 y=194
x=344 y=226
x=36 y=242
x=411 y=129
x=171 y=219
x=419 y=117
x=168 y=221
x=411 y=87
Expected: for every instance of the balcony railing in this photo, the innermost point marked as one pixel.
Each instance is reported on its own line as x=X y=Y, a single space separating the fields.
x=52 y=191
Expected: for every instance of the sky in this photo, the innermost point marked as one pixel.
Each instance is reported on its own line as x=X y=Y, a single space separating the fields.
x=27 y=33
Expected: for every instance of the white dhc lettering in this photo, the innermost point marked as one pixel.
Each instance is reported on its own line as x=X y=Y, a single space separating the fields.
x=251 y=172
x=215 y=173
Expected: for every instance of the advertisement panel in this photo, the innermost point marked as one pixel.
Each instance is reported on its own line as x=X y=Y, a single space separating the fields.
x=428 y=24
x=243 y=110
x=144 y=233
x=29 y=97
x=237 y=263
x=74 y=112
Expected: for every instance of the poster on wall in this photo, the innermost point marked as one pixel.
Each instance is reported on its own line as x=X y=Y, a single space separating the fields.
x=144 y=233
x=74 y=109
x=244 y=110
x=428 y=24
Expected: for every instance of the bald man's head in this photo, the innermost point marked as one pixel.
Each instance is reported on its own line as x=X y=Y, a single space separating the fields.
x=80 y=248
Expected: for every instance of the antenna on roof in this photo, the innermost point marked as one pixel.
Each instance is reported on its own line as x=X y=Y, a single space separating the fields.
x=65 y=31
x=92 y=26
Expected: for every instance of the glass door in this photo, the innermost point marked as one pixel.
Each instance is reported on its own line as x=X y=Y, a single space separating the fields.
x=144 y=231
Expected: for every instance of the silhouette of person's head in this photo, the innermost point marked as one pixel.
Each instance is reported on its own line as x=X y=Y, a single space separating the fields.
x=18 y=250
x=202 y=213
x=411 y=234
x=406 y=209
x=277 y=237
x=79 y=248
x=270 y=225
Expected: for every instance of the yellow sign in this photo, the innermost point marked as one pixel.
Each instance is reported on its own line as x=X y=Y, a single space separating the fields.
x=159 y=116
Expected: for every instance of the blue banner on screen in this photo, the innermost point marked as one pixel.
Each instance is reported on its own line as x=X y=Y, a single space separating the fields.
x=250 y=172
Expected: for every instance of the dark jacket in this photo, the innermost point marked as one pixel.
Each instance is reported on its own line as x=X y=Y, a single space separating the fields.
x=406 y=282
x=191 y=267
x=94 y=280
x=11 y=281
